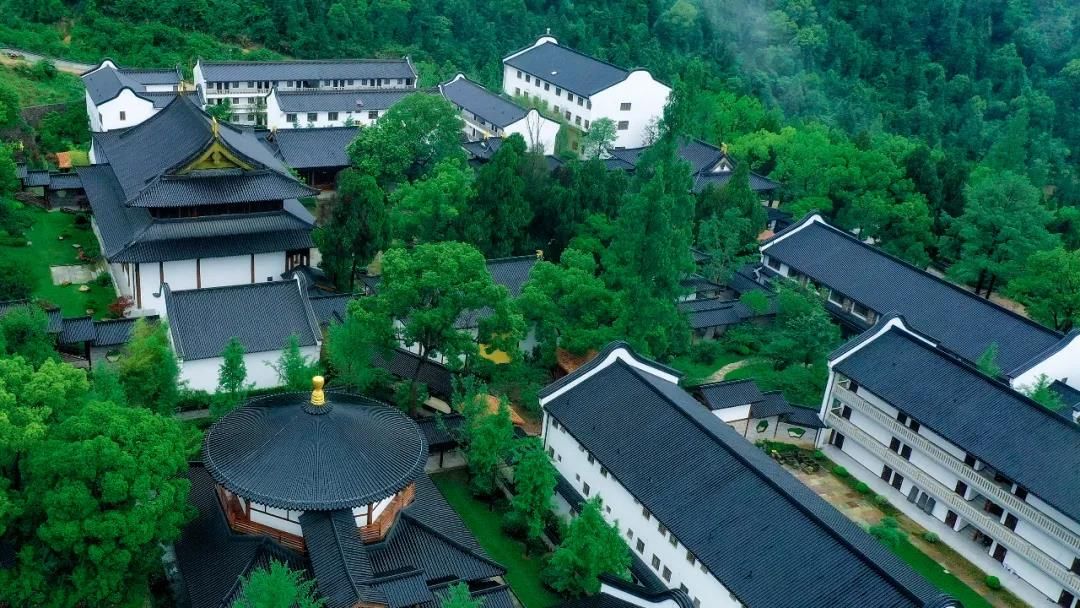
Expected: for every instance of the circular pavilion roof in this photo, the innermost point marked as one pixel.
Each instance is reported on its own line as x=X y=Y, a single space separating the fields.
x=281 y=451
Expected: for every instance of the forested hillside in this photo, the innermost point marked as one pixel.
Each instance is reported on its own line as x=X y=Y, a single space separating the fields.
x=879 y=114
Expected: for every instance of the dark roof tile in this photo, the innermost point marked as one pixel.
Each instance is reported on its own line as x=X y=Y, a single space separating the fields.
x=729 y=393
x=339 y=101
x=323 y=69
x=482 y=103
x=567 y=68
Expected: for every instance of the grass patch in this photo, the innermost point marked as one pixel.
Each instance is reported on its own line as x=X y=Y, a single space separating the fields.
x=79 y=158
x=33 y=92
x=800 y=385
x=522 y=573
x=933 y=572
x=695 y=372
x=47 y=249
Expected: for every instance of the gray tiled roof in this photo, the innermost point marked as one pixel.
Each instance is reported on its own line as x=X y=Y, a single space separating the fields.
x=339 y=558
x=729 y=393
x=312 y=148
x=702 y=157
x=328 y=69
x=772 y=404
x=64 y=181
x=78 y=329
x=703 y=313
x=139 y=162
x=644 y=597
x=803 y=416
x=494 y=597
x=282 y=452
x=330 y=309
x=715 y=492
x=106 y=83
x=339 y=101
x=482 y=103
x=1015 y=435
x=115 y=332
x=567 y=68
x=262 y=316
x=511 y=273
x=958 y=319
x=402 y=363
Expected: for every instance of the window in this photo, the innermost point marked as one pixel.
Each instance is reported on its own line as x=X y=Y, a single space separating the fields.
x=886 y=473
x=914 y=425
x=528 y=78
x=697 y=603
x=1065 y=600
x=662 y=529
x=901 y=417
x=580 y=101
x=674 y=542
x=290 y=118
x=517 y=91
x=577 y=120
x=629 y=534
x=558 y=91
x=547 y=87
x=683 y=588
x=624 y=106
x=859 y=310
x=905 y=452
x=592 y=460
x=585 y=489
x=567 y=114
x=569 y=96
x=969 y=459
x=1022 y=493
x=580 y=448
x=897 y=480
x=655 y=562
x=123 y=115
x=624 y=125
x=603 y=471
x=519 y=74
x=894 y=445
x=588 y=104
x=556 y=109
x=607 y=509
x=645 y=513
x=667 y=574
x=586 y=124
x=772 y=263
x=331 y=116
x=961 y=488
x=690 y=558
x=1010 y=521
x=640 y=546
x=312 y=116
x=1075 y=566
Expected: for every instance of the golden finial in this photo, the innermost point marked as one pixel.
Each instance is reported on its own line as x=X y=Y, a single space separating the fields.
x=214 y=126
x=317 y=396
x=539 y=254
x=723 y=147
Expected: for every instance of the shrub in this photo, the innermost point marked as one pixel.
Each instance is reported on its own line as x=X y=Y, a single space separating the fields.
x=819 y=455
x=882 y=502
x=119 y=306
x=16 y=280
x=706 y=351
x=82 y=220
x=840 y=471
x=888 y=531
x=993 y=582
x=103 y=280
x=193 y=400
x=930 y=537
x=743 y=339
x=862 y=488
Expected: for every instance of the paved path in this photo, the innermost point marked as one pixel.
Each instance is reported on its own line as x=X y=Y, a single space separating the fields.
x=722 y=373
x=63 y=65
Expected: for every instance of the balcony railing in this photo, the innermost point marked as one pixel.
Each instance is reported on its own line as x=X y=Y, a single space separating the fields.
x=980 y=483
x=956 y=503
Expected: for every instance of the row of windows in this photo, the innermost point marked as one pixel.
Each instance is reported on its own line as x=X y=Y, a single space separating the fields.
x=657 y=565
x=307 y=84
x=587 y=103
x=330 y=116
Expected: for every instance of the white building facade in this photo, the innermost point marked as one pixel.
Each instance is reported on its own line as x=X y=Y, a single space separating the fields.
x=245 y=85
x=487 y=115
x=897 y=437
x=581 y=89
x=314 y=109
x=117 y=98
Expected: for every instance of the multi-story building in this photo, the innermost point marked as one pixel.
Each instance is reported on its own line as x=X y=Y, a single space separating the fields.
x=487 y=114
x=117 y=98
x=711 y=514
x=180 y=199
x=317 y=109
x=862 y=283
x=993 y=472
x=582 y=89
x=245 y=84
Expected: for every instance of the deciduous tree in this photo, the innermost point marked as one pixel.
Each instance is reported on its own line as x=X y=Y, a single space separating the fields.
x=534 y=486
x=590 y=547
x=489 y=441
x=431 y=209
x=149 y=370
x=803 y=332
x=600 y=139
x=1049 y=288
x=458 y=596
x=24 y=332
x=357 y=229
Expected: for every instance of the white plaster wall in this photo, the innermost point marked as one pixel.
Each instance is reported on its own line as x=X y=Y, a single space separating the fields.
x=180 y=274
x=647 y=98
x=1035 y=577
x=752 y=434
x=1044 y=541
x=202 y=374
x=276 y=119
x=606 y=589
x=136 y=111
x=94 y=118
x=806 y=441
x=278 y=519
x=269 y=266
x=1063 y=365
x=731 y=414
x=627 y=515
x=537 y=131
x=219 y=272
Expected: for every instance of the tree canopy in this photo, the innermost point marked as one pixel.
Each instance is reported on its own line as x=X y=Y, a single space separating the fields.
x=590 y=547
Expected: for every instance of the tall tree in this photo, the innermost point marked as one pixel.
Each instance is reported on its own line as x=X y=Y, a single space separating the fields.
x=489 y=440
x=600 y=139
x=534 y=486
x=423 y=294
x=1003 y=223
x=408 y=141
x=277 y=586
x=24 y=332
x=357 y=229
x=1049 y=288
x=458 y=596
x=803 y=332
x=232 y=378
x=103 y=491
x=149 y=370
x=590 y=547
x=649 y=255
x=499 y=211
x=569 y=306
x=432 y=208
x=295 y=370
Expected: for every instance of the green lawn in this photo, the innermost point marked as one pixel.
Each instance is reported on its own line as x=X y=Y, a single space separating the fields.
x=61 y=87
x=696 y=373
x=46 y=249
x=522 y=573
x=924 y=565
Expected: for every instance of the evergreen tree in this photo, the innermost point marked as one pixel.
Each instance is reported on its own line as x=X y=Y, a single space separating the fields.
x=294 y=370
x=803 y=332
x=988 y=361
x=1045 y=396
x=649 y=255
x=232 y=376
x=458 y=596
x=589 y=548
x=534 y=486
x=488 y=445
x=499 y=211
x=24 y=332
x=106 y=385
x=149 y=370
x=432 y=208
x=357 y=229
x=277 y=586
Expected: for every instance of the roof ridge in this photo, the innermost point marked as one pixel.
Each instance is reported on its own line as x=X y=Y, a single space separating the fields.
x=921 y=271
x=353 y=582
x=452 y=542
x=238 y=286
x=577 y=52
x=787 y=493
x=306 y=61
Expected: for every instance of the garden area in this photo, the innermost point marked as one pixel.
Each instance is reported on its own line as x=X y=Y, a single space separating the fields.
x=58 y=238
x=919 y=548
x=523 y=572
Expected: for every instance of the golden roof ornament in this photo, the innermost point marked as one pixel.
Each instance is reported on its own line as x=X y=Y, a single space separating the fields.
x=317 y=396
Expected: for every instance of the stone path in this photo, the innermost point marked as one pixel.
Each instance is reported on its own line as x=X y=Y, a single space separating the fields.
x=74 y=273
x=722 y=373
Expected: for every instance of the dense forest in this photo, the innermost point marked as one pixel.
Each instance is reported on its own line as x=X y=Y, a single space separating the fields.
x=890 y=117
